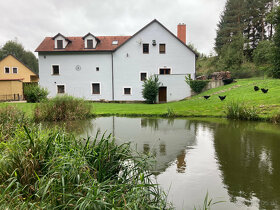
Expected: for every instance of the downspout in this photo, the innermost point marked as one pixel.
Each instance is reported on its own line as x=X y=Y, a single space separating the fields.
x=113 y=88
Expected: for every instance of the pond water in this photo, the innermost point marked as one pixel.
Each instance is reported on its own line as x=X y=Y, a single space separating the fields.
x=236 y=162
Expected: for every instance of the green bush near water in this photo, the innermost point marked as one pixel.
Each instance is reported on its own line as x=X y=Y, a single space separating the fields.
x=34 y=93
x=196 y=85
x=62 y=108
x=238 y=111
x=48 y=169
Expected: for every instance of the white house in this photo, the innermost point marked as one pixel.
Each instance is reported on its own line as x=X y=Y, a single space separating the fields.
x=113 y=68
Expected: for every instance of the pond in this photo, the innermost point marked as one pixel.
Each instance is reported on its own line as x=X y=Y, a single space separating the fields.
x=236 y=162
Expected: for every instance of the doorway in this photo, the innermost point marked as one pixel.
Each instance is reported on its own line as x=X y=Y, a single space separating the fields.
x=162 y=95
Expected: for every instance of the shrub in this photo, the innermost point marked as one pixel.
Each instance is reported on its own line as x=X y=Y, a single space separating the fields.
x=47 y=169
x=150 y=89
x=34 y=93
x=10 y=119
x=196 y=85
x=227 y=81
x=276 y=118
x=238 y=111
x=62 y=108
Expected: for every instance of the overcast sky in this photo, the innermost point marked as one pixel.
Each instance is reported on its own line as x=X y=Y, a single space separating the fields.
x=29 y=21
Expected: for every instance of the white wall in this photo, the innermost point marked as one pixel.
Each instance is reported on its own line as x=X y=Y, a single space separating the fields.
x=129 y=61
x=77 y=83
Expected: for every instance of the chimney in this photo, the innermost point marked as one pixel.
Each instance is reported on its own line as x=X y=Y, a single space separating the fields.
x=181 y=32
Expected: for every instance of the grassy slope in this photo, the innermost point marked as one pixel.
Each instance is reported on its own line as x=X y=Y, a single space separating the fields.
x=268 y=104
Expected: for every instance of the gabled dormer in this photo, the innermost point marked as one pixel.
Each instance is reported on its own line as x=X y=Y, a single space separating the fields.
x=90 y=41
x=60 y=41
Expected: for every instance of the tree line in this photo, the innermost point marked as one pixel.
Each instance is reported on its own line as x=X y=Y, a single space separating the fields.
x=248 y=39
x=16 y=49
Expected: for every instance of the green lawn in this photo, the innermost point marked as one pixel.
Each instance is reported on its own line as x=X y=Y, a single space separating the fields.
x=242 y=90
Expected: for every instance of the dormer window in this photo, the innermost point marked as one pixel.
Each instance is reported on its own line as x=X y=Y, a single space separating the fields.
x=59 y=44
x=115 y=42
x=90 y=43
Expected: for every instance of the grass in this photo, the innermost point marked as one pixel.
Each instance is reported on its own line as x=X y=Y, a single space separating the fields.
x=267 y=105
x=51 y=169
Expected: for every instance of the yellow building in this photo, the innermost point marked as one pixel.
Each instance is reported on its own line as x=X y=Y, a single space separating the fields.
x=13 y=73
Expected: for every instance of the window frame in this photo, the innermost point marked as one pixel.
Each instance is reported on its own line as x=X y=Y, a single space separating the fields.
x=146 y=75
x=146 y=44
x=90 y=40
x=13 y=70
x=60 y=85
x=52 y=72
x=57 y=45
x=6 y=67
x=170 y=70
x=99 y=88
x=162 y=52
x=125 y=93
x=97 y=68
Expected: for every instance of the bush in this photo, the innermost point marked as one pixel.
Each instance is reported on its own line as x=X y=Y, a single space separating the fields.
x=150 y=89
x=227 y=81
x=62 y=108
x=10 y=119
x=196 y=85
x=48 y=169
x=238 y=111
x=34 y=93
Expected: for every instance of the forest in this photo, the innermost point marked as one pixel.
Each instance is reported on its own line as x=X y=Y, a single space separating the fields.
x=247 y=41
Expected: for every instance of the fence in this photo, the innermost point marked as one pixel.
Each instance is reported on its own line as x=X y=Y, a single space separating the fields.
x=11 y=97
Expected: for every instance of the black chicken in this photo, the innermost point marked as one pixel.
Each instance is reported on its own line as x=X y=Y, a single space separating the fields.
x=222 y=97
x=206 y=97
x=256 y=88
x=264 y=90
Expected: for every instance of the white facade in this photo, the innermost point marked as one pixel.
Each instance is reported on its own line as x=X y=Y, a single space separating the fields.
x=121 y=68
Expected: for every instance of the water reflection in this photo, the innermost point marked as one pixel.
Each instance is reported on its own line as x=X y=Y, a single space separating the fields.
x=236 y=161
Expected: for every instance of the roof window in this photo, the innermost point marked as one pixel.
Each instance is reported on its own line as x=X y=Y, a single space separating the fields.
x=115 y=42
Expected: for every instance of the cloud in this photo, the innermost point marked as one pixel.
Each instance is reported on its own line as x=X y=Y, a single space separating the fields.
x=32 y=20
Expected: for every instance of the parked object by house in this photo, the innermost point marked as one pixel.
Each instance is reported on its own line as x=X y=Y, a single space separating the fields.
x=13 y=74
x=113 y=68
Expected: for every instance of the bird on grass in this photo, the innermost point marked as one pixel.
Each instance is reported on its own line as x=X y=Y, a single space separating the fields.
x=206 y=97
x=256 y=88
x=222 y=97
x=264 y=90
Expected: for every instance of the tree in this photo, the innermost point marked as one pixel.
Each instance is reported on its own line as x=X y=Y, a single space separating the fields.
x=276 y=50
x=150 y=89
x=26 y=57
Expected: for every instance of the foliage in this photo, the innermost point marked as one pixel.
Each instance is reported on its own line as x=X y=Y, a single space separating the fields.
x=276 y=118
x=62 y=108
x=26 y=57
x=170 y=112
x=208 y=203
x=150 y=89
x=196 y=85
x=276 y=51
x=34 y=93
x=227 y=81
x=10 y=119
x=47 y=169
x=238 y=111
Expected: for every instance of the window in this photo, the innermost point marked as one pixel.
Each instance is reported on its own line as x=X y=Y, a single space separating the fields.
x=146 y=48
x=60 y=89
x=59 y=44
x=115 y=42
x=95 y=88
x=7 y=70
x=55 y=70
x=143 y=76
x=162 y=48
x=15 y=70
x=127 y=91
x=164 y=71
x=90 y=43
x=97 y=68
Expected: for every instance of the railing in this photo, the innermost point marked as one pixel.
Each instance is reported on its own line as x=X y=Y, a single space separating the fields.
x=11 y=97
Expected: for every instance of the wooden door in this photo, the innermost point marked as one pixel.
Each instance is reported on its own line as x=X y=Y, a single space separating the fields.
x=162 y=95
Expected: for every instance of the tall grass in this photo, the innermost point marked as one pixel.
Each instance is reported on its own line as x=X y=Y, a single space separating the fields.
x=52 y=169
x=10 y=119
x=239 y=111
x=61 y=108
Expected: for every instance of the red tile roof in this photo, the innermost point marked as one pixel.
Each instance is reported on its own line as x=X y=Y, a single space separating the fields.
x=77 y=44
